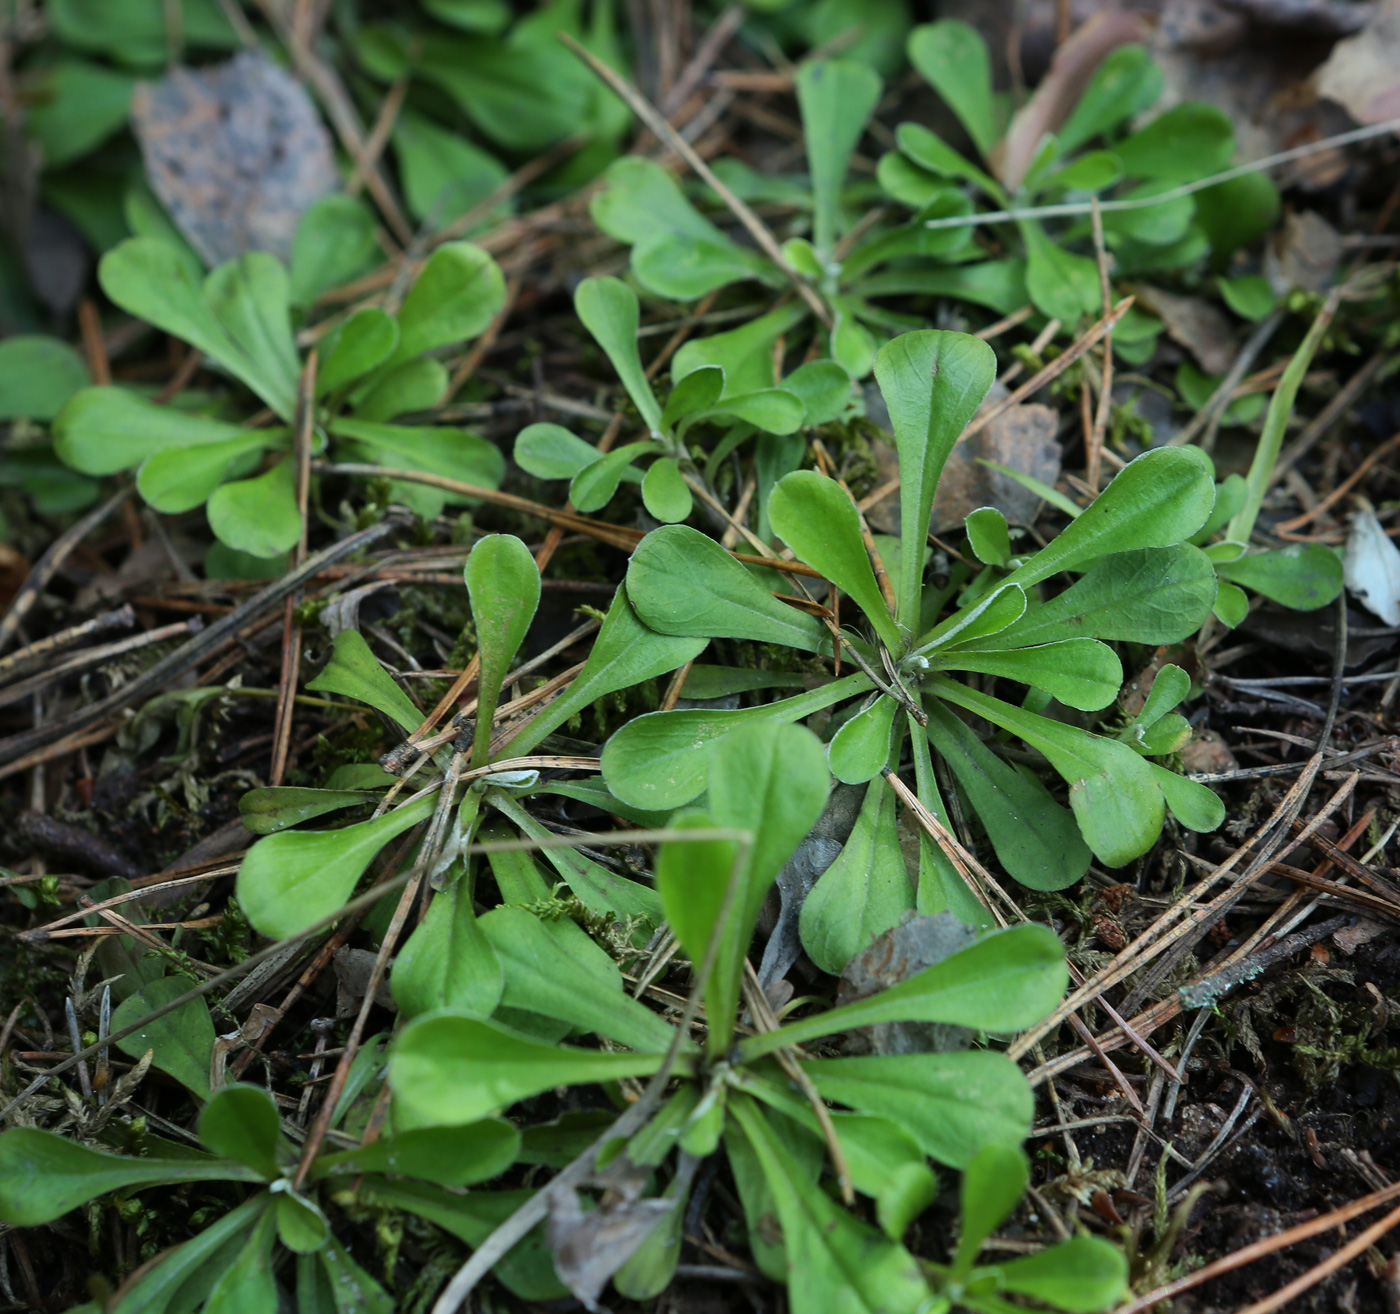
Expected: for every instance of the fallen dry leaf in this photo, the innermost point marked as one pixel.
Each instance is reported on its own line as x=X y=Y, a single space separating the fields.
x=235 y=152
x=1363 y=71
x=1303 y=253
x=1059 y=91
x=1197 y=324
x=590 y=1246
x=901 y=952
x=1207 y=754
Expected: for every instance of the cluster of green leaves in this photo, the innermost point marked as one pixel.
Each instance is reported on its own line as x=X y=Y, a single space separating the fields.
x=1184 y=145
x=228 y=1268
x=705 y=396
x=680 y=254
x=373 y=367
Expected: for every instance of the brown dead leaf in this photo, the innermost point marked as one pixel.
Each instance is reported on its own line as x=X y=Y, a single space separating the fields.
x=591 y=1245
x=1363 y=71
x=901 y=952
x=1059 y=91
x=1207 y=754
x=1303 y=253
x=1198 y=325
x=235 y=152
x=1350 y=938
x=1021 y=438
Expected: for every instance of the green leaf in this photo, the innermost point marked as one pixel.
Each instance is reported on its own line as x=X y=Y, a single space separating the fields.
x=553 y=968
x=448 y=962
x=412 y=385
x=682 y=268
x=250 y=298
x=978 y=622
x=836 y=97
x=625 y=652
x=454 y=453
x=771 y=780
x=449 y=1156
x=931 y=152
x=301 y=1226
x=444 y=172
x=952 y=58
x=181 y=1040
x=1250 y=296
x=1080 y=1276
x=1304 y=576
x=1035 y=838
x=932 y=382
x=1062 y=285
x=815 y=516
x=1000 y=285
x=1158 y=225
x=993 y=1182
x=1157 y=596
x=247 y=1285
x=852 y=344
x=1125 y=84
x=693 y=877
x=242 y=1123
x=860 y=749
x=258 y=515
x=351 y=1289
x=1082 y=673
x=449 y=1068
x=1091 y=172
x=1114 y=794
x=682 y=582
x=354 y=672
x=334 y=243
x=1193 y=804
x=270 y=809
x=181 y=478
x=38 y=376
x=745 y=353
x=44 y=1175
x=1189 y=141
x=1231 y=604
x=1007 y=980
x=550 y=451
x=696 y=392
x=608 y=309
x=593 y=486
x=664 y=491
x=952 y=1104
x=824 y=389
x=148 y=278
x=74 y=106
x=828 y=1250
x=458 y=293
x=103 y=430
x=774 y=410
x=503 y=584
x=660 y=760
x=639 y=199
x=864 y=892
x=365 y=341
x=989 y=536
x=1236 y=212
x=1156 y=500
x=291 y=880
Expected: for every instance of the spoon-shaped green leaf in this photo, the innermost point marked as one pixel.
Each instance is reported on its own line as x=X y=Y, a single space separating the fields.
x=836 y=97
x=815 y=516
x=504 y=586
x=682 y=582
x=293 y=879
x=608 y=309
x=932 y=382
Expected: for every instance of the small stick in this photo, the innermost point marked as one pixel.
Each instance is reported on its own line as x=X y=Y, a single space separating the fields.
x=1094 y=453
